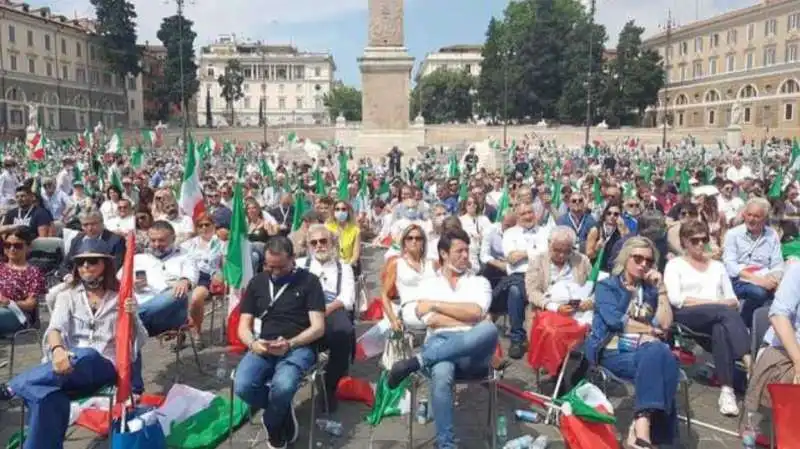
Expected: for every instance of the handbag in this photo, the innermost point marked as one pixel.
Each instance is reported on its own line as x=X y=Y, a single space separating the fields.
x=149 y=436
x=398 y=347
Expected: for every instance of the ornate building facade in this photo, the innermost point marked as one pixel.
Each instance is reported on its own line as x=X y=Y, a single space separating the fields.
x=748 y=58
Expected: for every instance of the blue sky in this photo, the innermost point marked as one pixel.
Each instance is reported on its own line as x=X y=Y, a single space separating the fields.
x=340 y=26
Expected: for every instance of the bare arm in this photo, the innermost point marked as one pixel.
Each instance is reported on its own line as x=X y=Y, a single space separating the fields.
x=312 y=333
x=465 y=312
x=245 y=330
x=440 y=321
x=786 y=334
x=389 y=280
x=356 y=249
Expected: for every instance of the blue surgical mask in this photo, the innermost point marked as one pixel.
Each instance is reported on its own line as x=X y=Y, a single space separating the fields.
x=340 y=215
x=283 y=279
x=413 y=214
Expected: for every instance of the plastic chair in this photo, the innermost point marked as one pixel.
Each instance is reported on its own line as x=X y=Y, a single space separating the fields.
x=316 y=374
x=758 y=330
x=32 y=328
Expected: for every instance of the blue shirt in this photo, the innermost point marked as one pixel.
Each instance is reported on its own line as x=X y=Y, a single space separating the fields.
x=56 y=203
x=451 y=203
x=786 y=303
x=580 y=227
x=741 y=250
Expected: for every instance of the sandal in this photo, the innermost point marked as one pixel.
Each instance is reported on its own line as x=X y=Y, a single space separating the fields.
x=637 y=443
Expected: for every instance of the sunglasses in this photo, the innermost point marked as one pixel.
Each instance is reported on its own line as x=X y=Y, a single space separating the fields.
x=638 y=259
x=142 y=217
x=414 y=238
x=15 y=245
x=318 y=242
x=576 y=200
x=89 y=261
x=633 y=205
x=699 y=240
x=614 y=214
x=690 y=214
x=341 y=209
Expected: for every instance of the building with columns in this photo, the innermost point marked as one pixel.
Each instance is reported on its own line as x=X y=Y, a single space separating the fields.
x=290 y=84
x=52 y=61
x=454 y=57
x=748 y=57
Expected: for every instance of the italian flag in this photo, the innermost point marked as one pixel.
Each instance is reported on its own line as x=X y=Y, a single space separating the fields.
x=114 y=178
x=85 y=140
x=238 y=268
x=36 y=146
x=151 y=137
x=191 y=195
x=114 y=146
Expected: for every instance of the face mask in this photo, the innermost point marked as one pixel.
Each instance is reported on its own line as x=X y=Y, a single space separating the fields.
x=340 y=215
x=283 y=279
x=92 y=284
x=413 y=214
x=162 y=253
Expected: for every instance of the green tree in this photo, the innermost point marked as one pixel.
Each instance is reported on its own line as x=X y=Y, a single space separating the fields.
x=231 y=83
x=490 y=83
x=446 y=96
x=116 y=38
x=576 y=70
x=344 y=100
x=639 y=72
x=177 y=36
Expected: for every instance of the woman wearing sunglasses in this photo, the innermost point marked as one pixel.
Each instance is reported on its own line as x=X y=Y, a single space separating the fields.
x=80 y=348
x=606 y=233
x=21 y=284
x=702 y=294
x=632 y=314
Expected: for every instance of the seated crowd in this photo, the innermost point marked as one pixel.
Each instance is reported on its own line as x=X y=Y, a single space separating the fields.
x=701 y=266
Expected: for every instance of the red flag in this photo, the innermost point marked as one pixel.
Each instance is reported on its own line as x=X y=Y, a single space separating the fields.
x=125 y=324
x=785 y=409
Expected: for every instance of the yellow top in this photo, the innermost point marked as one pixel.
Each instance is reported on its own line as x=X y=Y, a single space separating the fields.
x=347 y=239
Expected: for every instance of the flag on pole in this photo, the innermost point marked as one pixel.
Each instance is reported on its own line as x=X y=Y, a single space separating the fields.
x=776 y=188
x=149 y=137
x=114 y=178
x=137 y=157
x=238 y=268
x=115 y=144
x=191 y=195
x=124 y=331
x=37 y=145
x=292 y=138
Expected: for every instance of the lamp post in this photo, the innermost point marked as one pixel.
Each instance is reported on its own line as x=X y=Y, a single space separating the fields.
x=667 y=54
x=505 y=97
x=589 y=76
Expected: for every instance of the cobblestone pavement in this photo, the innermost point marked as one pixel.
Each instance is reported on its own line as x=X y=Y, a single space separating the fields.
x=471 y=403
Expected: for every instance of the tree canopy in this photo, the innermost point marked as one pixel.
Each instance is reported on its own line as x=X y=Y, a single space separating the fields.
x=446 y=96
x=178 y=37
x=345 y=100
x=231 y=84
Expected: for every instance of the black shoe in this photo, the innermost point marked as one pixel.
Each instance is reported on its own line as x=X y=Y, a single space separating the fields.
x=517 y=350
x=277 y=441
x=5 y=393
x=290 y=427
x=400 y=370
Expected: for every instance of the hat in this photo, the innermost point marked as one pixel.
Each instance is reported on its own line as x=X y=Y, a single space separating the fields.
x=90 y=248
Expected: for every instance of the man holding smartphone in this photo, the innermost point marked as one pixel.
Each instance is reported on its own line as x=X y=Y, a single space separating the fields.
x=282 y=317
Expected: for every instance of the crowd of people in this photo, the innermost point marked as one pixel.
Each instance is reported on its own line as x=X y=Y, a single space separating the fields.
x=629 y=243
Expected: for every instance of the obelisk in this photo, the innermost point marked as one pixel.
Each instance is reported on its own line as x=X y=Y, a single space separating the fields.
x=385 y=70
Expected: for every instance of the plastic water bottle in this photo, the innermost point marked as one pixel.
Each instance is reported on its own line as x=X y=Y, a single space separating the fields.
x=330 y=427
x=422 y=411
x=749 y=433
x=502 y=430
x=527 y=416
x=523 y=442
x=540 y=442
x=222 y=367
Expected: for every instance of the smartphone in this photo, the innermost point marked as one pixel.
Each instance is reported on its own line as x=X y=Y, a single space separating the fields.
x=141 y=275
x=574 y=303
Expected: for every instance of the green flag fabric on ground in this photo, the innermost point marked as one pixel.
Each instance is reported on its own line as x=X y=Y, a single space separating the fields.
x=589 y=403
x=387 y=400
x=208 y=428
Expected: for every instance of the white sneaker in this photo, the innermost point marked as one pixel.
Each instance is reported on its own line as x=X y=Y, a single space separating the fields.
x=727 y=402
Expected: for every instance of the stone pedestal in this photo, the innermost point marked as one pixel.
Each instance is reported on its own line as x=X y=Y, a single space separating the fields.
x=377 y=142
x=385 y=80
x=733 y=136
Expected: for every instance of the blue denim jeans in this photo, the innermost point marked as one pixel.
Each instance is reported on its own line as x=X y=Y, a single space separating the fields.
x=270 y=382
x=654 y=371
x=163 y=313
x=47 y=395
x=517 y=302
x=751 y=297
x=450 y=356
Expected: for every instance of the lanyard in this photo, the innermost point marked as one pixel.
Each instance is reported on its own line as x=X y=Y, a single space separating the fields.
x=285 y=214
x=577 y=227
x=27 y=215
x=274 y=296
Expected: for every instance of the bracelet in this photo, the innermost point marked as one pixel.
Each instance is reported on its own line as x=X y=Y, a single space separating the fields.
x=53 y=349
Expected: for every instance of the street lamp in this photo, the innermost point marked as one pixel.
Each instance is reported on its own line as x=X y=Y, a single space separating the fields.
x=589 y=76
x=263 y=100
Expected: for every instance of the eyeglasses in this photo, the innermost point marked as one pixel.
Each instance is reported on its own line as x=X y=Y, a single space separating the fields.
x=318 y=242
x=576 y=200
x=204 y=225
x=414 y=238
x=15 y=245
x=639 y=259
x=89 y=261
x=633 y=205
x=341 y=209
x=699 y=240
x=614 y=214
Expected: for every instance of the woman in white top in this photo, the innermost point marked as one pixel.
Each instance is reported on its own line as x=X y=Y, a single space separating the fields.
x=109 y=208
x=475 y=224
x=404 y=273
x=701 y=293
x=207 y=251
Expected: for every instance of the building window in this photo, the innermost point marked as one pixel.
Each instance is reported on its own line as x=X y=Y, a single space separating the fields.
x=107 y=79
x=299 y=72
x=92 y=53
x=12 y=62
x=30 y=38
x=31 y=65
x=281 y=73
x=12 y=34
x=47 y=42
x=712 y=66
x=750 y=58
x=790 y=87
x=683 y=73
x=210 y=71
x=281 y=103
x=747 y=114
x=48 y=68
x=698 y=44
x=713 y=40
x=64 y=73
x=730 y=63
x=263 y=88
x=245 y=87
x=697 y=69
x=770 y=27
x=63 y=46
x=684 y=48
x=247 y=73
x=712 y=96
x=711 y=117
x=133 y=104
x=794 y=21
x=94 y=77
x=769 y=56
x=78 y=49
x=748 y=92
x=730 y=38
x=680 y=118
x=280 y=88
x=788 y=112
x=751 y=31
x=247 y=102
x=80 y=75
x=317 y=71
x=299 y=102
x=131 y=83
x=791 y=52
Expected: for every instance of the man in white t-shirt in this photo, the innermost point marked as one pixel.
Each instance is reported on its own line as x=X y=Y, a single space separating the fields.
x=728 y=204
x=460 y=344
x=126 y=219
x=738 y=172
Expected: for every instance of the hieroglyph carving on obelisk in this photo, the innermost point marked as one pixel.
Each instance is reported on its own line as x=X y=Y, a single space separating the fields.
x=386 y=23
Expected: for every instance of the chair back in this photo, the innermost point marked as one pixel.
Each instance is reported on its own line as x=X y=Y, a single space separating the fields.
x=785 y=410
x=759 y=328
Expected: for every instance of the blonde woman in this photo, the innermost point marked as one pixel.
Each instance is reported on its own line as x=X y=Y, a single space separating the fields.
x=632 y=315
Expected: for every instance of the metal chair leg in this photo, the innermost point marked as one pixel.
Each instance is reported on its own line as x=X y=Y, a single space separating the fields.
x=412 y=407
x=230 y=413
x=11 y=357
x=312 y=422
x=194 y=351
